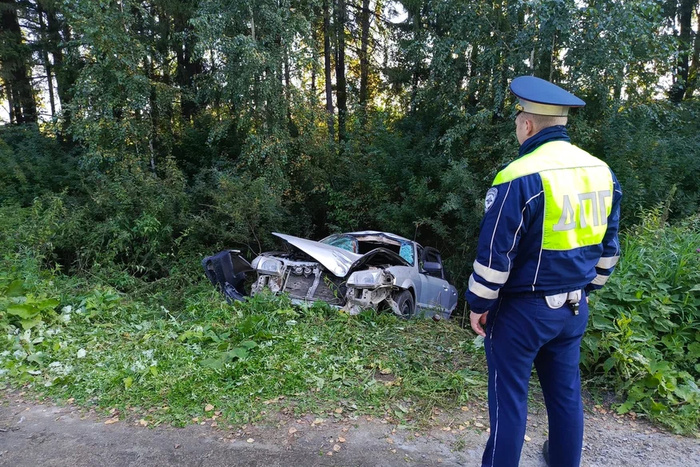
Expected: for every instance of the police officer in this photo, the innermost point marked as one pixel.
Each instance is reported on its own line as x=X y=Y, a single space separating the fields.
x=548 y=237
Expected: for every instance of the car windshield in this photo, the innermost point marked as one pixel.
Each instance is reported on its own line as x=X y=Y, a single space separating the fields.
x=342 y=241
x=364 y=245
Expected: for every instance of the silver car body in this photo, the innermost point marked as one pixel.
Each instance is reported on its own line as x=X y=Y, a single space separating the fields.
x=369 y=271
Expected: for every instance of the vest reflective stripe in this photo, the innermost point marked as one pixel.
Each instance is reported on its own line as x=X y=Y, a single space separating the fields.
x=481 y=290
x=578 y=193
x=600 y=279
x=490 y=274
x=607 y=262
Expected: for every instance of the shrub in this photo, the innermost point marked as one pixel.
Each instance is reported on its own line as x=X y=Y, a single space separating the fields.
x=644 y=335
x=33 y=164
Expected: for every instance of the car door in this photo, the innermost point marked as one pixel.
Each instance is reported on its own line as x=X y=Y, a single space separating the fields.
x=436 y=292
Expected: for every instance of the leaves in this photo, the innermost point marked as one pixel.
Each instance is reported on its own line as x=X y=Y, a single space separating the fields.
x=643 y=331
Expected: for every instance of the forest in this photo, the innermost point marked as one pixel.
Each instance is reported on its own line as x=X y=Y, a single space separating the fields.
x=138 y=136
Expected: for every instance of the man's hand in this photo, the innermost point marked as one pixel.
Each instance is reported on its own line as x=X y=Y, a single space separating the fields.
x=477 y=319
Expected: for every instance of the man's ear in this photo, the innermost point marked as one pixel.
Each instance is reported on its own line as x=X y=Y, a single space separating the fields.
x=529 y=127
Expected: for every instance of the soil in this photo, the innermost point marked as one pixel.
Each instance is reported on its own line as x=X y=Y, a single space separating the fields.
x=33 y=434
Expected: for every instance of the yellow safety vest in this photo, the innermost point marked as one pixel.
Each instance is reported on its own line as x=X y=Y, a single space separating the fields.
x=578 y=191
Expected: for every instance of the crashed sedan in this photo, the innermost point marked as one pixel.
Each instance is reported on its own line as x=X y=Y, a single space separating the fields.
x=351 y=271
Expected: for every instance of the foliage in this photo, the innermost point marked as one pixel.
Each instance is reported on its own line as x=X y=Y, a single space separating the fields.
x=167 y=365
x=654 y=154
x=181 y=127
x=34 y=164
x=644 y=337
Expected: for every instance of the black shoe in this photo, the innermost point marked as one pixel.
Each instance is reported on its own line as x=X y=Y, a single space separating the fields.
x=545 y=452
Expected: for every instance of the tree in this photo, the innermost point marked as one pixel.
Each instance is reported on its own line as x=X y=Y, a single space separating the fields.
x=327 y=65
x=15 y=65
x=683 y=80
x=340 y=13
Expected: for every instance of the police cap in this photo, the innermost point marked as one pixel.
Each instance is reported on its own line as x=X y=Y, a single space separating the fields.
x=540 y=97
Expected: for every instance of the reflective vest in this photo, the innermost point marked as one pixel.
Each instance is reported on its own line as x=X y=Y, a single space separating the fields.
x=550 y=226
x=577 y=193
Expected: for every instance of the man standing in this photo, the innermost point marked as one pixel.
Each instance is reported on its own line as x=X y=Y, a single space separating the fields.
x=548 y=237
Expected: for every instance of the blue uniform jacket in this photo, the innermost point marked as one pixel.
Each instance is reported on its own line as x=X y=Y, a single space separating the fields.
x=510 y=258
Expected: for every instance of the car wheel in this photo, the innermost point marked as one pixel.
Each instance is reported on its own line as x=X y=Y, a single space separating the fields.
x=407 y=306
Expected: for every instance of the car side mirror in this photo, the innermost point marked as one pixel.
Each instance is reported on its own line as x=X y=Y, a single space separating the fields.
x=432 y=267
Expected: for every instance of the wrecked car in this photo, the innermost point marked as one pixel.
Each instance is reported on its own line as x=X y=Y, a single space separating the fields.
x=351 y=271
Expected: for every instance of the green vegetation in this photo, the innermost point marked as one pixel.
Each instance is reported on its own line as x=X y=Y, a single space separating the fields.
x=644 y=335
x=104 y=350
x=76 y=337
x=141 y=136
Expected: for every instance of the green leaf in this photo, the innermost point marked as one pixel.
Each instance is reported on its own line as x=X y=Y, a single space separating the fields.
x=608 y=364
x=15 y=289
x=626 y=407
x=23 y=311
x=48 y=304
x=238 y=352
x=248 y=344
x=30 y=323
x=694 y=350
x=35 y=357
x=128 y=382
x=214 y=363
x=603 y=323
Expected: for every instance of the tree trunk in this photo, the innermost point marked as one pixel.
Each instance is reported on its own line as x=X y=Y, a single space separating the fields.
x=341 y=85
x=187 y=67
x=694 y=65
x=314 y=51
x=364 y=57
x=685 y=14
x=45 y=58
x=15 y=57
x=327 y=68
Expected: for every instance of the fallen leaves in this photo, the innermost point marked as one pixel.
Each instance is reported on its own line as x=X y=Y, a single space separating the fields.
x=208 y=408
x=111 y=420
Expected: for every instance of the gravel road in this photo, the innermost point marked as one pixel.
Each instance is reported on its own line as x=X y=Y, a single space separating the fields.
x=33 y=435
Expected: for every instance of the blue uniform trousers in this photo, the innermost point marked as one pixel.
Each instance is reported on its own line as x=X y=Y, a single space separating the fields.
x=520 y=332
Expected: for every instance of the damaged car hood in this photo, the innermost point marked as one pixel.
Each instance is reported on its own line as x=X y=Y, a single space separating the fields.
x=336 y=260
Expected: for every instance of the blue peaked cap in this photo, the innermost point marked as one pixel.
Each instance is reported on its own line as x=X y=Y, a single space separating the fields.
x=540 y=97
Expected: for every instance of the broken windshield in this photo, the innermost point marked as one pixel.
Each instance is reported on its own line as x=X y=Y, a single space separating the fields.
x=365 y=244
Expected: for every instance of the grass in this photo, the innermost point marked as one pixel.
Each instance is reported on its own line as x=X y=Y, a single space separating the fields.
x=106 y=351
x=170 y=349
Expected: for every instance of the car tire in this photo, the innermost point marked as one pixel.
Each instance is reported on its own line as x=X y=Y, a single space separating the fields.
x=406 y=304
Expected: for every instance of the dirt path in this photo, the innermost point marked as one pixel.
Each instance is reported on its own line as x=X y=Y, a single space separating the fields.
x=35 y=435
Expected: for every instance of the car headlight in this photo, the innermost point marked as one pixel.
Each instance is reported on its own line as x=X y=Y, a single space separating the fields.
x=268 y=265
x=371 y=278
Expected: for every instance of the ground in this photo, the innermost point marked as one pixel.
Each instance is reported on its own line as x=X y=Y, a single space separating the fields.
x=33 y=434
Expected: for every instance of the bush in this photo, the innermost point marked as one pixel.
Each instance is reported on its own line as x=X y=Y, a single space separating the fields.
x=644 y=334
x=33 y=164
